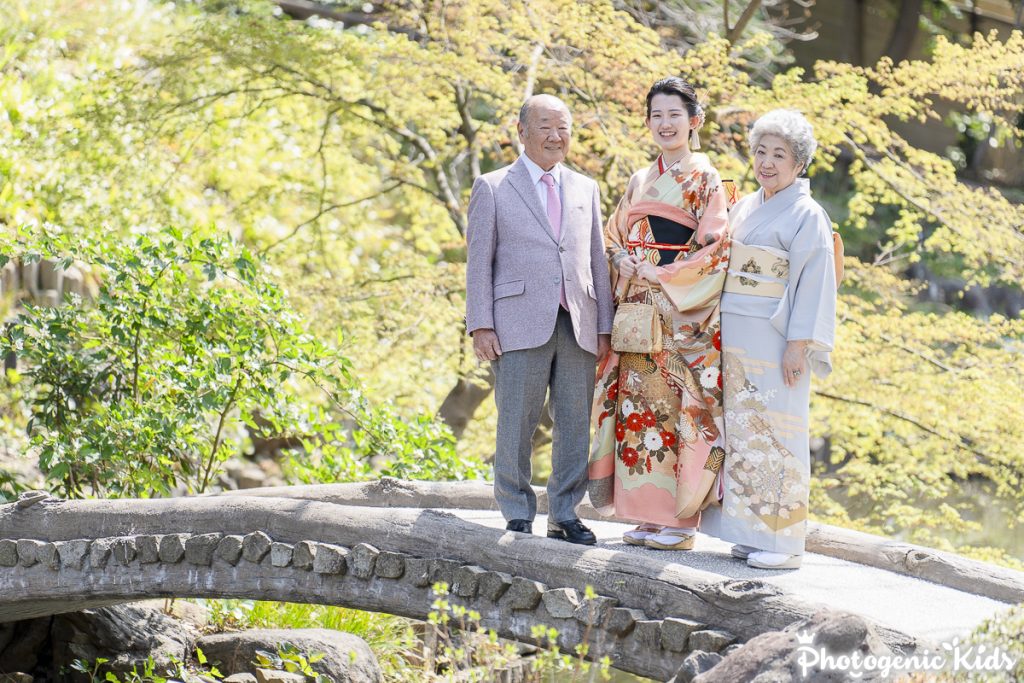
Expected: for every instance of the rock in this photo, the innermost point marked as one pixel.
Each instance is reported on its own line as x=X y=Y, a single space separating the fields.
x=280 y=554
x=362 y=559
x=773 y=656
x=250 y=477
x=346 y=657
x=47 y=555
x=443 y=571
x=25 y=643
x=123 y=550
x=648 y=633
x=239 y=678
x=492 y=585
x=417 y=569
x=330 y=559
x=172 y=547
x=229 y=549
x=28 y=551
x=467 y=580
x=676 y=634
x=99 y=552
x=271 y=676
x=199 y=549
x=189 y=612
x=8 y=553
x=255 y=546
x=621 y=620
x=524 y=593
x=303 y=555
x=72 y=553
x=147 y=549
x=16 y=677
x=390 y=565
x=696 y=663
x=710 y=640
x=126 y=635
x=595 y=611
x=561 y=603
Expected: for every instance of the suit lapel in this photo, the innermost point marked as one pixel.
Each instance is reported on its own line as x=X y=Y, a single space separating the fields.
x=519 y=178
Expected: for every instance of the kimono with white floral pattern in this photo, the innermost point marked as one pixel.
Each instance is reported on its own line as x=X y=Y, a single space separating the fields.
x=765 y=480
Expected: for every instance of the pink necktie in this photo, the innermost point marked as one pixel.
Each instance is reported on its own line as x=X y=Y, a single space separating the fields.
x=555 y=219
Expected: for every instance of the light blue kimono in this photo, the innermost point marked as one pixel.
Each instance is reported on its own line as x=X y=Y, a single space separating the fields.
x=765 y=478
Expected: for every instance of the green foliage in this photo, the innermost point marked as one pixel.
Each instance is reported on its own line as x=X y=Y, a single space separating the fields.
x=289 y=658
x=344 y=156
x=475 y=653
x=150 y=673
x=1004 y=631
x=188 y=347
x=389 y=637
x=148 y=388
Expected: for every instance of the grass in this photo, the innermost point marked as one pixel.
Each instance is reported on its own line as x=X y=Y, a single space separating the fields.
x=391 y=638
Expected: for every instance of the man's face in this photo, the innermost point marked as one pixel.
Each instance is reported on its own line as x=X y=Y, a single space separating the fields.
x=546 y=135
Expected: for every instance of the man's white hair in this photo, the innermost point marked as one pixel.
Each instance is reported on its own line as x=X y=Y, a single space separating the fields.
x=791 y=126
x=550 y=100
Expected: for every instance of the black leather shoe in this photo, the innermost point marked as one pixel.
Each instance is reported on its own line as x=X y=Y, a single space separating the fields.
x=572 y=531
x=523 y=526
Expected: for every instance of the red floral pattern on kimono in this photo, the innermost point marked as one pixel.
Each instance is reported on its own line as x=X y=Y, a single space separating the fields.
x=659 y=439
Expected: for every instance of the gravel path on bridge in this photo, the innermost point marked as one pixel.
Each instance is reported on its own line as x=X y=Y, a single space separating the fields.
x=914 y=606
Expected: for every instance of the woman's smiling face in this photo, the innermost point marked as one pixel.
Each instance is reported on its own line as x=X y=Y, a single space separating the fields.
x=670 y=122
x=775 y=165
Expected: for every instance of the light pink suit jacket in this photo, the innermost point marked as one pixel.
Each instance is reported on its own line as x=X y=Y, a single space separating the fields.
x=516 y=268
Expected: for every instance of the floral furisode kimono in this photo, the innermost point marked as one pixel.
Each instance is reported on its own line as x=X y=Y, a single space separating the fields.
x=658 y=440
x=781 y=286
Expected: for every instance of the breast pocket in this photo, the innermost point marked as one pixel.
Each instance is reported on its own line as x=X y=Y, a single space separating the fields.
x=511 y=288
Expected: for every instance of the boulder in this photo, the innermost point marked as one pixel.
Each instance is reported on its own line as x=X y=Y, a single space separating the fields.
x=346 y=657
x=272 y=676
x=774 y=656
x=126 y=635
x=239 y=678
x=21 y=643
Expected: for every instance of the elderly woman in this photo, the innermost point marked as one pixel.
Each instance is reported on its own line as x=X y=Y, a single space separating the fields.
x=778 y=321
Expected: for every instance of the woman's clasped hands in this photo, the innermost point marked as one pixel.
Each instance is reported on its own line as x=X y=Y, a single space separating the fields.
x=634 y=267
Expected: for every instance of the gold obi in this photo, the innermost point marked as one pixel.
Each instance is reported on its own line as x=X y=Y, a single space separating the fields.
x=758 y=271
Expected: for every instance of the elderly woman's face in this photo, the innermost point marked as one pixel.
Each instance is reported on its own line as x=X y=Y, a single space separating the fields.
x=775 y=166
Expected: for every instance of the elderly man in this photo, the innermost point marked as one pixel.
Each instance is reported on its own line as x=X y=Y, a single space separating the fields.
x=539 y=307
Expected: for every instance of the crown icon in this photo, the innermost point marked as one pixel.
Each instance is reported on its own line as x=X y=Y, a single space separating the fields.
x=804 y=638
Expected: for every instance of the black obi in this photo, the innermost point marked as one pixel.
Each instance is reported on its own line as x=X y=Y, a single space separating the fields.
x=667 y=231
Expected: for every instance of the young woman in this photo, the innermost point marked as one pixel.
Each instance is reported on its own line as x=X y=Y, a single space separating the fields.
x=658 y=417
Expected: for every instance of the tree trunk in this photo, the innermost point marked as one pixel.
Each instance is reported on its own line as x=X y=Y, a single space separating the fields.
x=461 y=403
x=901 y=41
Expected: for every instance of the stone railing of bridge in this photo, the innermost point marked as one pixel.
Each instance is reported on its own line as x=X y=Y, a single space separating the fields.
x=58 y=556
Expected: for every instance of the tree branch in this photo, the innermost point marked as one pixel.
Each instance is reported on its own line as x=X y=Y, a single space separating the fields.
x=323 y=210
x=958 y=441
x=733 y=34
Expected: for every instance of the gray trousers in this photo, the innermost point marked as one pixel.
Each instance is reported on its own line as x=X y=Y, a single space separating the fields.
x=522 y=380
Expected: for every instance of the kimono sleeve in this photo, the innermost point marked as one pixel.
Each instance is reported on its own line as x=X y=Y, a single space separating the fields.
x=812 y=283
x=615 y=235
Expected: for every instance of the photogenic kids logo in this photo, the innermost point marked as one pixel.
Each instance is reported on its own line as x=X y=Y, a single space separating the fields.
x=954 y=656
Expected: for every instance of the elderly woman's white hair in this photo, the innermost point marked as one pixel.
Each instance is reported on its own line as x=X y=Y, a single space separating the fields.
x=791 y=126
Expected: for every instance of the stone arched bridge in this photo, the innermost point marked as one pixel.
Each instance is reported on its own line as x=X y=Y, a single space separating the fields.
x=375 y=547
